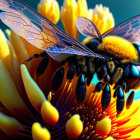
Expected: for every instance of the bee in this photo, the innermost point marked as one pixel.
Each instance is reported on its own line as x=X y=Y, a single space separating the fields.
x=114 y=55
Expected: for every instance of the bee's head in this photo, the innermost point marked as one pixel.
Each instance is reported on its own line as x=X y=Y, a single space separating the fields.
x=92 y=43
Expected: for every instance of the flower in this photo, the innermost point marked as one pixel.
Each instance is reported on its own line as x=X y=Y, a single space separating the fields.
x=102 y=18
x=44 y=8
x=39 y=100
x=71 y=10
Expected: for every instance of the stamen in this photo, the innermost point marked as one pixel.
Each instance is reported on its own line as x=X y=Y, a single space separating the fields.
x=74 y=126
x=49 y=96
x=103 y=127
x=39 y=133
x=49 y=113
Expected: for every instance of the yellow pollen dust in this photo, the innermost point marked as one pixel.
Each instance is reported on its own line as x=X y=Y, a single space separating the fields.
x=74 y=126
x=49 y=113
x=103 y=127
x=119 y=47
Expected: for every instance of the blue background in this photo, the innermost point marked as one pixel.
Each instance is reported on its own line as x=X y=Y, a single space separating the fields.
x=121 y=10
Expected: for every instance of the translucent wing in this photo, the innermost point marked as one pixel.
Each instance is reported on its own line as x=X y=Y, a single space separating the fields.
x=87 y=28
x=39 y=31
x=129 y=29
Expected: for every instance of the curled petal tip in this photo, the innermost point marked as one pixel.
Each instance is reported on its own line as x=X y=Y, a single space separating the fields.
x=74 y=126
x=39 y=133
x=49 y=113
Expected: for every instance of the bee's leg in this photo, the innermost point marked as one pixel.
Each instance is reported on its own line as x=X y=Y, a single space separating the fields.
x=42 y=65
x=42 y=54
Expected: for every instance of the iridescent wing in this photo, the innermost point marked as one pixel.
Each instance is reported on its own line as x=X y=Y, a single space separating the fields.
x=87 y=28
x=129 y=29
x=40 y=32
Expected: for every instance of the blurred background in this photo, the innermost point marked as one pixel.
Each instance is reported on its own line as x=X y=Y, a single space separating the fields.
x=121 y=10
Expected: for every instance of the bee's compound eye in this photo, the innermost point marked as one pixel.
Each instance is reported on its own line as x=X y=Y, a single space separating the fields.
x=57 y=78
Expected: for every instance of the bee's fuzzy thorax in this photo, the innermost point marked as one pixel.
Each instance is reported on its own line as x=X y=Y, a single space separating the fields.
x=119 y=47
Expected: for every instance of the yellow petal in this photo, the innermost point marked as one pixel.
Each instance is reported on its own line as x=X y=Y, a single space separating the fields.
x=49 y=113
x=50 y=10
x=69 y=16
x=10 y=125
x=39 y=133
x=4 y=51
x=82 y=8
x=102 y=18
x=34 y=93
x=109 y=138
x=19 y=48
x=74 y=126
x=134 y=114
x=9 y=95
